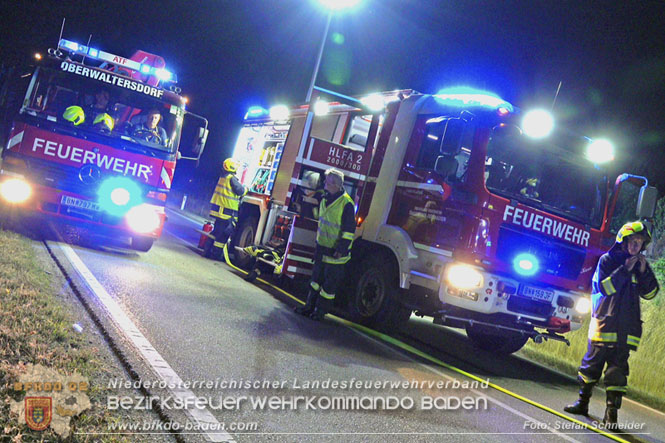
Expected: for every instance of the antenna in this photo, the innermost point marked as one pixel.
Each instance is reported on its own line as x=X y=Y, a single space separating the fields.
x=62 y=28
x=556 y=94
x=87 y=46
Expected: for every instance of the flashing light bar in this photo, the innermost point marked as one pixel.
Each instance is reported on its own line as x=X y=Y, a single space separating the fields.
x=107 y=57
x=465 y=96
x=256 y=112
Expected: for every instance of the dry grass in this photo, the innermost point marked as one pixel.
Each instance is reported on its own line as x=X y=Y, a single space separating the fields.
x=35 y=328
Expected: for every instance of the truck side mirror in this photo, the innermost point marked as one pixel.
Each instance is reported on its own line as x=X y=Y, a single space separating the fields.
x=452 y=136
x=646 y=203
x=195 y=134
x=200 y=143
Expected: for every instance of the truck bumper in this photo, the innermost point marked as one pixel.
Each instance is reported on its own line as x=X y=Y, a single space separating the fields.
x=507 y=297
x=80 y=211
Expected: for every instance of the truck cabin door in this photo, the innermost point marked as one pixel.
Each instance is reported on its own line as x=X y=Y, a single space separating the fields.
x=433 y=188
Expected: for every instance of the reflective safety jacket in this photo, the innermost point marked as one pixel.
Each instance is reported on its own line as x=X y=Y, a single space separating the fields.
x=226 y=199
x=336 y=227
x=615 y=319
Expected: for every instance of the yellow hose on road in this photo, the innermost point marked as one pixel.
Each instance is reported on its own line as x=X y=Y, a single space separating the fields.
x=410 y=349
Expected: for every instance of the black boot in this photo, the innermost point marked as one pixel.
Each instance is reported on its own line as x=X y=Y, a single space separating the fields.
x=253 y=274
x=321 y=310
x=612 y=409
x=310 y=304
x=581 y=406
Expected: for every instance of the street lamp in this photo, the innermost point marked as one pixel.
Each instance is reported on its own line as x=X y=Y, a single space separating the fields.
x=331 y=6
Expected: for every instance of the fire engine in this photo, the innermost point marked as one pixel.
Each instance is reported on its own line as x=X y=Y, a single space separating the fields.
x=77 y=144
x=461 y=214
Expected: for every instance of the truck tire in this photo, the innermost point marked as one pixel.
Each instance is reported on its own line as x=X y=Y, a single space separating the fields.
x=374 y=294
x=142 y=244
x=243 y=237
x=496 y=340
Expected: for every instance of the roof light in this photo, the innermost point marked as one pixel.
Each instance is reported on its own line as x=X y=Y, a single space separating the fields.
x=466 y=96
x=163 y=74
x=321 y=107
x=600 y=151
x=92 y=52
x=73 y=46
x=538 y=123
x=145 y=69
x=256 y=112
x=279 y=112
x=375 y=102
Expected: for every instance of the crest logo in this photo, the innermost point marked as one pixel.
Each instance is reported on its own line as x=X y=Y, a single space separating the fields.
x=38 y=412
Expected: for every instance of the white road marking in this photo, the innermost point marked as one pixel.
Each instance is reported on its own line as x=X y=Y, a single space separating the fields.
x=492 y=399
x=203 y=418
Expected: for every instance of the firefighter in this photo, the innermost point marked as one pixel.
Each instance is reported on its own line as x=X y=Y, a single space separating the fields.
x=334 y=237
x=96 y=114
x=224 y=208
x=150 y=130
x=622 y=276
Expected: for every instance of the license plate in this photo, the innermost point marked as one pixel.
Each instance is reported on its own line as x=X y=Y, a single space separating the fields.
x=78 y=203
x=536 y=293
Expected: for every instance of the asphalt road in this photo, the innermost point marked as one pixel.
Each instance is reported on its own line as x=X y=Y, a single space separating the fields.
x=211 y=325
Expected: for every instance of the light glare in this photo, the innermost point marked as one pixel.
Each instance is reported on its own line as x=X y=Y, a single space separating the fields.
x=337 y=5
x=15 y=190
x=463 y=277
x=600 y=151
x=143 y=219
x=279 y=113
x=538 y=123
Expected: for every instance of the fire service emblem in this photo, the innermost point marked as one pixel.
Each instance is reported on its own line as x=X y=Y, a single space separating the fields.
x=38 y=412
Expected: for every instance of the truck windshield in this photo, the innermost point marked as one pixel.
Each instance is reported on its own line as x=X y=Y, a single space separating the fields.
x=142 y=121
x=547 y=175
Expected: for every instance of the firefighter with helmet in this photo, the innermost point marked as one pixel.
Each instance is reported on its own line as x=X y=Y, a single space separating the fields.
x=621 y=278
x=224 y=208
x=337 y=226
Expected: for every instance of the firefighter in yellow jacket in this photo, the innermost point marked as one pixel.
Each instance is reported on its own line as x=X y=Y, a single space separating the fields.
x=622 y=277
x=224 y=208
x=334 y=237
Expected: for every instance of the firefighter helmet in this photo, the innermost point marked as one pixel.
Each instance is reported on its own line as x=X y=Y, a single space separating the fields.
x=636 y=227
x=105 y=121
x=74 y=114
x=230 y=165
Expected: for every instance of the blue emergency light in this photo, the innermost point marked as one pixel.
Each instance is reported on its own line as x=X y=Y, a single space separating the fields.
x=118 y=194
x=256 y=112
x=464 y=96
x=526 y=264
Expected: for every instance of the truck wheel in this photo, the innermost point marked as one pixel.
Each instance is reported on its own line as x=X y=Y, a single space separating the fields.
x=142 y=244
x=496 y=340
x=374 y=295
x=243 y=237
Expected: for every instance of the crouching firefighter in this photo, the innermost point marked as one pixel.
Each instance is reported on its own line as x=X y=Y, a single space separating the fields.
x=334 y=237
x=621 y=278
x=224 y=209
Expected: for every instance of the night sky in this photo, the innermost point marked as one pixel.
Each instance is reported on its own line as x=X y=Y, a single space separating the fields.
x=231 y=54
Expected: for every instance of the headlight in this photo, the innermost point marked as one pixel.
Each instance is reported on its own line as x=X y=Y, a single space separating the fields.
x=143 y=219
x=15 y=190
x=463 y=277
x=583 y=305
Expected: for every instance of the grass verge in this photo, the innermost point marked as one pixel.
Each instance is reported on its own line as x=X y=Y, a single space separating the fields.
x=646 y=382
x=36 y=328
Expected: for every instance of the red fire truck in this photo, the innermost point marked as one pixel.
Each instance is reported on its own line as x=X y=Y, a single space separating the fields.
x=78 y=146
x=461 y=215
